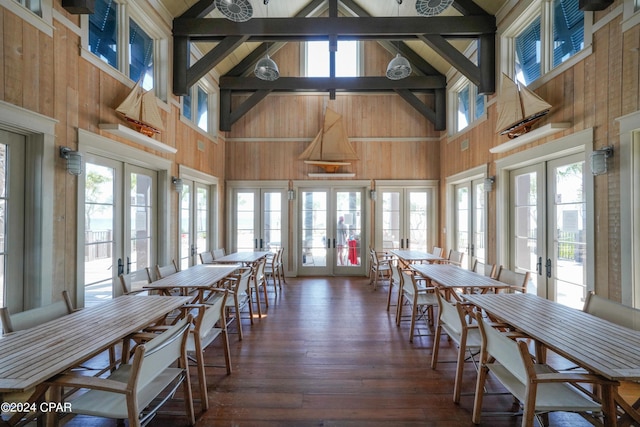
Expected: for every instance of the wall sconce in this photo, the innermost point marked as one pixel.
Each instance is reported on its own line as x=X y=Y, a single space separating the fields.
x=599 y=160
x=177 y=184
x=488 y=183
x=291 y=194
x=373 y=195
x=74 y=160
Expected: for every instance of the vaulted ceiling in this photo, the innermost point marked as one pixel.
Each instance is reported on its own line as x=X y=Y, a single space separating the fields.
x=432 y=44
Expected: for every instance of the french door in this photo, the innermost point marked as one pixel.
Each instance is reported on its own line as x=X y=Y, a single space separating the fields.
x=194 y=222
x=405 y=218
x=470 y=221
x=259 y=220
x=548 y=217
x=331 y=223
x=120 y=221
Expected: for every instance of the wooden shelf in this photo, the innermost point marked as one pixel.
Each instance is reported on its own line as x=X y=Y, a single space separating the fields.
x=130 y=134
x=536 y=134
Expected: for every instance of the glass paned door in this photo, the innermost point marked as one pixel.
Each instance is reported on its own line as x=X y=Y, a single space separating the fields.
x=348 y=234
x=194 y=222
x=470 y=221
x=314 y=212
x=259 y=221
x=404 y=220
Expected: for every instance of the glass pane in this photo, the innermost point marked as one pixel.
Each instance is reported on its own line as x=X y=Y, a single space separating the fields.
x=462 y=220
x=202 y=218
x=186 y=106
x=479 y=249
x=203 y=109
x=569 y=238
x=103 y=32
x=140 y=56
x=463 y=108
x=34 y=6
x=314 y=228
x=99 y=222
x=479 y=110
x=528 y=55
x=245 y=222
x=390 y=220
x=318 y=59
x=272 y=215
x=140 y=220
x=526 y=224
x=185 y=226
x=349 y=227
x=568 y=30
x=418 y=225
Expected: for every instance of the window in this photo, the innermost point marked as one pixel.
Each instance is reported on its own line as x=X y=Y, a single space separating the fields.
x=203 y=109
x=317 y=59
x=197 y=105
x=34 y=6
x=123 y=36
x=469 y=105
x=543 y=36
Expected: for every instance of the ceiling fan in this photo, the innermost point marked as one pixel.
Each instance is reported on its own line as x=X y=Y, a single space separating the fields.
x=235 y=10
x=432 y=7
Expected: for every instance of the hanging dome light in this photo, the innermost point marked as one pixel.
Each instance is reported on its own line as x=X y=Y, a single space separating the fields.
x=398 y=68
x=267 y=69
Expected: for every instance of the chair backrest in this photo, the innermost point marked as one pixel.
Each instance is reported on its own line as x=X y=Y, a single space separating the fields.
x=243 y=283
x=35 y=316
x=259 y=272
x=518 y=281
x=212 y=312
x=132 y=283
x=166 y=270
x=218 y=253
x=488 y=270
x=206 y=257
x=153 y=357
x=612 y=311
x=451 y=316
x=505 y=350
x=455 y=257
x=436 y=251
x=406 y=280
x=373 y=257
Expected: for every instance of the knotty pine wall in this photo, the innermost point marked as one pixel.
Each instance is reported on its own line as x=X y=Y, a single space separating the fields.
x=48 y=76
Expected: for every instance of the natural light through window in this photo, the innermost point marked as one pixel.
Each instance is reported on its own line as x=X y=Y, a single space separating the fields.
x=317 y=63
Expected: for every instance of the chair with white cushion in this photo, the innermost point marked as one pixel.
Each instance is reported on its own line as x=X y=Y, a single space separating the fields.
x=128 y=391
x=35 y=316
x=415 y=295
x=206 y=257
x=537 y=387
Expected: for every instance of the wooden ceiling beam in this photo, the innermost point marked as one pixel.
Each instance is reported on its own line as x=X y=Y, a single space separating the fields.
x=213 y=58
x=323 y=84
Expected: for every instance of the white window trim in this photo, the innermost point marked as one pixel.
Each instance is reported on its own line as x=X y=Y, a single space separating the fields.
x=214 y=206
x=213 y=96
x=44 y=23
x=98 y=145
x=630 y=17
x=629 y=154
x=359 y=60
x=519 y=18
x=41 y=157
x=579 y=142
x=154 y=28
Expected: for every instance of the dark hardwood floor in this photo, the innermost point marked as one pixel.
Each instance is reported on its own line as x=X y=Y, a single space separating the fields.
x=327 y=353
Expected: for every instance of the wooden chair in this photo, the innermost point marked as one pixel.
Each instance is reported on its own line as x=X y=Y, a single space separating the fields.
x=271 y=270
x=536 y=386
x=35 y=316
x=420 y=298
x=218 y=253
x=133 y=387
x=379 y=267
x=166 y=270
x=455 y=258
x=452 y=320
x=518 y=282
x=436 y=251
x=394 y=282
x=258 y=282
x=239 y=287
x=130 y=284
x=206 y=257
x=280 y=265
x=488 y=270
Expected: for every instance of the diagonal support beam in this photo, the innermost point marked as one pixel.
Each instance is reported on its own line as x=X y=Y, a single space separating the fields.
x=244 y=108
x=212 y=58
x=437 y=117
x=468 y=7
x=453 y=56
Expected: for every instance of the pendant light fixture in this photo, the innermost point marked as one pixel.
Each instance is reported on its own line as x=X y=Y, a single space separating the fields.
x=399 y=67
x=266 y=68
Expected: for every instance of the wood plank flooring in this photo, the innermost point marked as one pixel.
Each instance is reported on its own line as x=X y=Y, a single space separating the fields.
x=327 y=353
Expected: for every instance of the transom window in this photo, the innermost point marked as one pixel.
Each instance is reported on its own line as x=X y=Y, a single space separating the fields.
x=317 y=59
x=470 y=106
x=141 y=56
x=548 y=34
x=197 y=105
x=34 y=6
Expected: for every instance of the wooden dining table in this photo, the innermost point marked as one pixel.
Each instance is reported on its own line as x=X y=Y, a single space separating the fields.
x=597 y=345
x=245 y=258
x=30 y=357
x=451 y=278
x=194 y=280
x=412 y=256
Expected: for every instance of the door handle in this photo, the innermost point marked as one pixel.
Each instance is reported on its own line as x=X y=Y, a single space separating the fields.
x=128 y=265
x=407 y=243
x=548 y=265
x=539 y=266
x=260 y=244
x=334 y=243
x=472 y=250
x=401 y=243
x=193 y=250
x=120 y=267
x=255 y=244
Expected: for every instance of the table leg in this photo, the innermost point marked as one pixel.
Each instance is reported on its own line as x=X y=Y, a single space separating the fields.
x=609 y=405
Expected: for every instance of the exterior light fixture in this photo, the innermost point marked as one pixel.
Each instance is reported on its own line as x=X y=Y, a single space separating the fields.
x=599 y=160
x=74 y=160
x=488 y=183
x=177 y=184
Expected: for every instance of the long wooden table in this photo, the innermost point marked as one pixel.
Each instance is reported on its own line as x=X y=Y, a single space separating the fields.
x=410 y=256
x=451 y=277
x=32 y=356
x=599 y=346
x=199 y=278
x=246 y=258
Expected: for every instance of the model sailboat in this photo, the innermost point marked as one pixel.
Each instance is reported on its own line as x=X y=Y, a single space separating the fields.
x=141 y=110
x=518 y=109
x=331 y=147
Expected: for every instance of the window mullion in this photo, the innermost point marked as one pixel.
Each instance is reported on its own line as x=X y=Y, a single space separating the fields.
x=546 y=36
x=123 y=39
